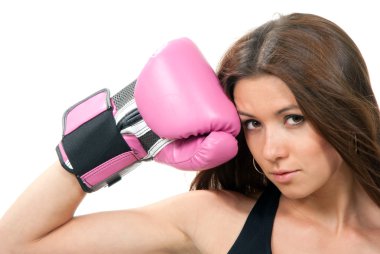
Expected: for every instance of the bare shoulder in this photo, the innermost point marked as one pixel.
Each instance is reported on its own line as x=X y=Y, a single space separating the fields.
x=211 y=219
x=207 y=202
x=227 y=199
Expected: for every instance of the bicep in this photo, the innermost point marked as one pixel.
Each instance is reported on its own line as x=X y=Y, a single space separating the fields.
x=142 y=230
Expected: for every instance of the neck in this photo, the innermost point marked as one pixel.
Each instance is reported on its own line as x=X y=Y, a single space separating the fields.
x=341 y=203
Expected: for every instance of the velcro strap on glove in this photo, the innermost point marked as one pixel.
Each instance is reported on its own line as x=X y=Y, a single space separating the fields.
x=104 y=138
x=92 y=147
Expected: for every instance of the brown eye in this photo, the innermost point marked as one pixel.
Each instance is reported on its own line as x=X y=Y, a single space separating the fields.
x=294 y=119
x=252 y=124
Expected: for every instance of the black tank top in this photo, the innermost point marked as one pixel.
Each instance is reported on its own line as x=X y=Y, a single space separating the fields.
x=256 y=234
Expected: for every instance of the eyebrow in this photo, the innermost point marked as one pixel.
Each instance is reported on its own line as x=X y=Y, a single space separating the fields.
x=279 y=112
x=290 y=107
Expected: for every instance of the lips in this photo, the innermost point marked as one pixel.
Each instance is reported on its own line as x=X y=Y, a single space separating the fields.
x=282 y=172
x=284 y=176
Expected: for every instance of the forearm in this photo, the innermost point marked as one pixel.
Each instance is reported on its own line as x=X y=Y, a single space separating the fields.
x=48 y=203
x=41 y=221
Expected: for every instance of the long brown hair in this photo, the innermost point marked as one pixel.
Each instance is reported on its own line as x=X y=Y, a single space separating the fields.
x=328 y=76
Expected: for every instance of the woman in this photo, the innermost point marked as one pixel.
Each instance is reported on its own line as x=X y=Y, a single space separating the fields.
x=306 y=178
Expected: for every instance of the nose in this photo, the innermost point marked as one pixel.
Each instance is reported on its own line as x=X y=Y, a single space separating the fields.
x=275 y=145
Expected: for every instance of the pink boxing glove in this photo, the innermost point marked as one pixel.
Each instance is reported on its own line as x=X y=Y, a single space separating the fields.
x=175 y=113
x=180 y=98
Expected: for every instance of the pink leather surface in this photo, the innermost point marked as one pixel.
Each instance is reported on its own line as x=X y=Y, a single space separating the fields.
x=85 y=111
x=134 y=143
x=179 y=95
x=108 y=168
x=180 y=98
x=199 y=153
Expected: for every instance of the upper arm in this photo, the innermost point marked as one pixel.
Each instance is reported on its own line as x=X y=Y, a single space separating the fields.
x=193 y=222
x=156 y=228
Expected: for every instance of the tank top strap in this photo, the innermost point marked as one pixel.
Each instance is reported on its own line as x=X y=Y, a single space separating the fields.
x=256 y=234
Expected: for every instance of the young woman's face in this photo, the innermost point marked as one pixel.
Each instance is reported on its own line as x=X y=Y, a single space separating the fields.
x=288 y=149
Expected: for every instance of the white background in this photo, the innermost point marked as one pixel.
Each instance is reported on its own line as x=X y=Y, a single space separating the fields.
x=55 y=53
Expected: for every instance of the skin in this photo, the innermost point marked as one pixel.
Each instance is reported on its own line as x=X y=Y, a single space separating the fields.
x=41 y=221
x=322 y=203
x=326 y=210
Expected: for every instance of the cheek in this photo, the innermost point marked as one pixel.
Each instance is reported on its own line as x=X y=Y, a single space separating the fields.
x=331 y=156
x=250 y=142
x=322 y=154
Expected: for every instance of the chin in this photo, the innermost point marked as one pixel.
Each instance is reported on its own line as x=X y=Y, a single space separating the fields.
x=293 y=191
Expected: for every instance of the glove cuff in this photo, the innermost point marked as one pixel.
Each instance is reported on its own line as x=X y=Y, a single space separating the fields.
x=92 y=147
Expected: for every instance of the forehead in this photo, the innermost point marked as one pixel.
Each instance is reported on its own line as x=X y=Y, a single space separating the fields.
x=262 y=91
